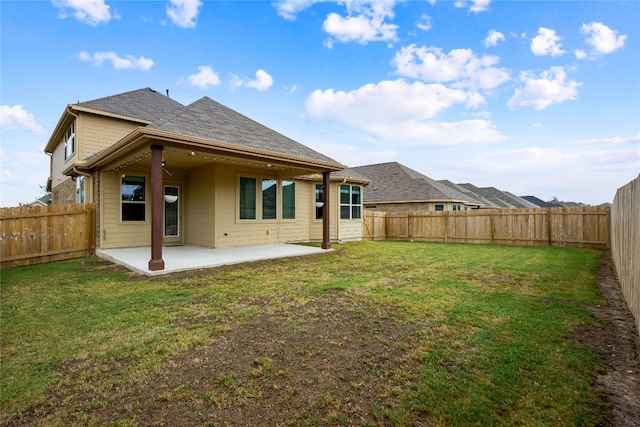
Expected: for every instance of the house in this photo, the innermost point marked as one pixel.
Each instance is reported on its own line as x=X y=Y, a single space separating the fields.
x=395 y=187
x=540 y=203
x=163 y=173
x=498 y=198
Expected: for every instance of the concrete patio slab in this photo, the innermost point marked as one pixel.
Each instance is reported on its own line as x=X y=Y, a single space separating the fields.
x=192 y=257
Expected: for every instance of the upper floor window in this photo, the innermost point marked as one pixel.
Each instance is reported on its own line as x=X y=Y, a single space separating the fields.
x=69 y=140
x=350 y=202
x=133 y=198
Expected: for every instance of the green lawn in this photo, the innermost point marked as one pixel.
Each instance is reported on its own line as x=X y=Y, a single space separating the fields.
x=467 y=334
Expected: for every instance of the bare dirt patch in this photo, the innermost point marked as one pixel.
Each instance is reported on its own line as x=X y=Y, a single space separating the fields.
x=617 y=342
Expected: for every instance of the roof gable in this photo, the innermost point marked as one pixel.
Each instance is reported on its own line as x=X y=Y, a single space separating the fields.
x=144 y=104
x=209 y=120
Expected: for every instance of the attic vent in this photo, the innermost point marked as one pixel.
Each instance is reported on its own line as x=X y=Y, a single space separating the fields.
x=395 y=172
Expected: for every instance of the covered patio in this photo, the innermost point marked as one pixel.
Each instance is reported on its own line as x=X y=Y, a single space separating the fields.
x=192 y=257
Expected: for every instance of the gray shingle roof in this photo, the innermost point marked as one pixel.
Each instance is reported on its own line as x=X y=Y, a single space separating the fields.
x=395 y=182
x=145 y=104
x=210 y=120
x=499 y=198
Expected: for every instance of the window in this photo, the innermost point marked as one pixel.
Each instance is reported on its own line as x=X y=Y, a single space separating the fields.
x=439 y=207
x=319 y=199
x=269 y=201
x=69 y=140
x=247 y=198
x=80 y=189
x=350 y=202
x=133 y=198
x=288 y=200
x=457 y=207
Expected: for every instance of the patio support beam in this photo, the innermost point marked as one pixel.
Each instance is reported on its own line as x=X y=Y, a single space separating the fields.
x=326 y=212
x=156 y=263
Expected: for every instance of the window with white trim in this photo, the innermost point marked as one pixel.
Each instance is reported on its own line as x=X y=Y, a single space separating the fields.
x=457 y=207
x=69 y=140
x=319 y=200
x=439 y=207
x=350 y=202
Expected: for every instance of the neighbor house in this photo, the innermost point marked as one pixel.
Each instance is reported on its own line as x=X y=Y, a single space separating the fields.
x=160 y=172
x=395 y=187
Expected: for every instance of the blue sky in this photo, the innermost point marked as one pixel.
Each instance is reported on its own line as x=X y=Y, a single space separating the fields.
x=536 y=98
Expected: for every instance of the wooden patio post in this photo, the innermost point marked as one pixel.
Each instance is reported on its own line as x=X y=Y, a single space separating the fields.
x=156 y=263
x=326 y=212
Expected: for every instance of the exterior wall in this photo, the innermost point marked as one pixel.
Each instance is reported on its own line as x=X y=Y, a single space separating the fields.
x=64 y=192
x=232 y=231
x=350 y=230
x=95 y=133
x=114 y=232
x=411 y=206
x=200 y=205
x=209 y=211
x=58 y=164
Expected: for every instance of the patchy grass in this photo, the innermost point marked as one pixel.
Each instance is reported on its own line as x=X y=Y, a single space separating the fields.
x=375 y=333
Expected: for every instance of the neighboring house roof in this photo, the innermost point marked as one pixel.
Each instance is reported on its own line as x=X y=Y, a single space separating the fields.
x=499 y=198
x=539 y=202
x=42 y=201
x=470 y=195
x=394 y=182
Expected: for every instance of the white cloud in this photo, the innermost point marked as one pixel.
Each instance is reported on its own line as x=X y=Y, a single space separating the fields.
x=204 y=78
x=129 y=62
x=21 y=176
x=580 y=54
x=262 y=82
x=551 y=87
x=478 y=6
x=288 y=9
x=493 y=38
x=602 y=38
x=352 y=155
x=364 y=23
x=616 y=140
x=462 y=67
x=424 y=23
x=547 y=42
x=91 y=12
x=16 y=117
x=399 y=112
x=184 y=13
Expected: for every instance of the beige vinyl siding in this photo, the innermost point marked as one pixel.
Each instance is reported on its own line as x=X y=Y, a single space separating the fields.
x=95 y=133
x=199 y=213
x=58 y=164
x=121 y=234
x=350 y=230
x=231 y=231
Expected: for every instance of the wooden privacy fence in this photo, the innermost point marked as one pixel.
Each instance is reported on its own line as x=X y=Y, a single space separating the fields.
x=584 y=227
x=33 y=235
x=625 y=243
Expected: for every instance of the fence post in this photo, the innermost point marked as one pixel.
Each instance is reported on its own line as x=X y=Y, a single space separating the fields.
x=492 y=226
x=548 y=214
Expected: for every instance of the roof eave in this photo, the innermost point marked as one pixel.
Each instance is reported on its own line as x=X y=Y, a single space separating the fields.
x=140 y=135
